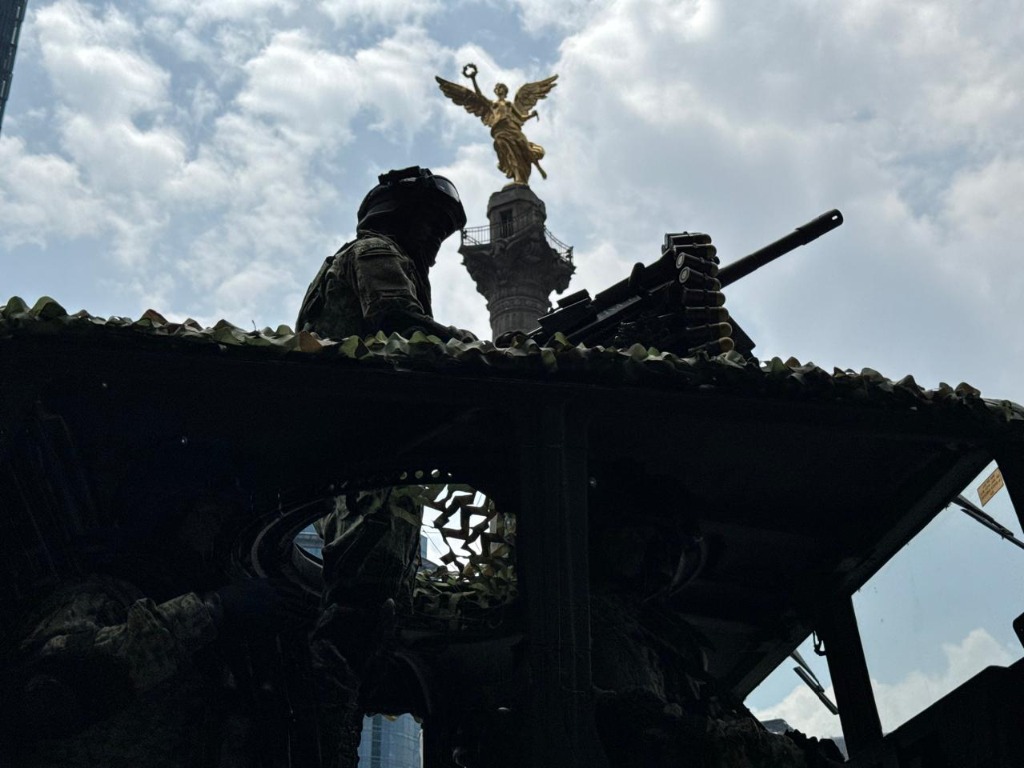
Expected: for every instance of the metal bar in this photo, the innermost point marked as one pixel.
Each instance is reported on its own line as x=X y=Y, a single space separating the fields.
x=988 y=521
x=554 y=580
x=817 y=689
x=564 y=251
x=858 y=713
x=1010 y=458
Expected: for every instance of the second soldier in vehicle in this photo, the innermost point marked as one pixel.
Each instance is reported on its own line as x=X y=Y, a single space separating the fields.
x=377 y=282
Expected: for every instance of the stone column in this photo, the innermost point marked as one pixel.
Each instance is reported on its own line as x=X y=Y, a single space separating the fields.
x=514 y=261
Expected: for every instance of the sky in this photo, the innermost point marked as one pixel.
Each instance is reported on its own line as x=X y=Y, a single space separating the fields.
x=203 y=157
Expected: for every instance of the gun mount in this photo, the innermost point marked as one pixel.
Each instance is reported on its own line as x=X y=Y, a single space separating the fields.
x=674 y=304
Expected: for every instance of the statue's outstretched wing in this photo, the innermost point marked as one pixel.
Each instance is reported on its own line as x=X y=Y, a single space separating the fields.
x=472 y=101
x=528 y=96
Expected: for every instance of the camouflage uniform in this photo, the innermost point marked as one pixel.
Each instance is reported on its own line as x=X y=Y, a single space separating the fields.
x=371 y=538
x=92 y=652
x=363 y=282
x=110 y=619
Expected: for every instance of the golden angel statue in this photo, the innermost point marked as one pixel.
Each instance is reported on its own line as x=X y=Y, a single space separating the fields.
x=516 y=155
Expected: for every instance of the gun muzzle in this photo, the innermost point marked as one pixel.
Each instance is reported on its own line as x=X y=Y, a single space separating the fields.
x=802 y=235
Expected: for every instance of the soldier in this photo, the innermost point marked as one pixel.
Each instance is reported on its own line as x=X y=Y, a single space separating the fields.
x=107 y=666
x=377 y=282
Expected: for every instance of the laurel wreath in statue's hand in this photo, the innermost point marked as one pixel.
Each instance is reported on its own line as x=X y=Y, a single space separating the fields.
x=469 y=71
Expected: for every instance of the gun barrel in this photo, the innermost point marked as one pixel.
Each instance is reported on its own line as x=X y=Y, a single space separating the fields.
x=802 y=235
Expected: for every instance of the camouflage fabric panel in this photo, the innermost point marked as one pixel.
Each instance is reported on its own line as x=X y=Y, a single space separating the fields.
x=744 y=743
x=336 y=654
x=386 y=278
x=158 y=640
x=335 y=520
x=331 y=307
x=151 y=642
x=79 y=606
x=370 y=550
x=365 y=278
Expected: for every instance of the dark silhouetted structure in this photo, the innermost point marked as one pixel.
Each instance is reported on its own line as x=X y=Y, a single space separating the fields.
x=11 y=15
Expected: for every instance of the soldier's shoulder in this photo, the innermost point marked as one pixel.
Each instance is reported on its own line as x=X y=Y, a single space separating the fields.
x=371 y=241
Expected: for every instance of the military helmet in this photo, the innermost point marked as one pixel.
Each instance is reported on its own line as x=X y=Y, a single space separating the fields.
x=415 y=193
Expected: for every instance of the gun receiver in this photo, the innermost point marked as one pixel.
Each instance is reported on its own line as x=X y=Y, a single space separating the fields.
x=675 y=303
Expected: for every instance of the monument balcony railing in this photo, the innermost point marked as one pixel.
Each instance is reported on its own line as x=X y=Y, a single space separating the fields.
x=564 y=251
x=505 y=230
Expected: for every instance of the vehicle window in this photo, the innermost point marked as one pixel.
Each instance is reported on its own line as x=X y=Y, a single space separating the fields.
x=933 y=617
x=942 y=609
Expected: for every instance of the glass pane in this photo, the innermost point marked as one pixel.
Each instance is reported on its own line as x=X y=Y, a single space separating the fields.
x=942 y=609
x=783 y=701
x=933 y=617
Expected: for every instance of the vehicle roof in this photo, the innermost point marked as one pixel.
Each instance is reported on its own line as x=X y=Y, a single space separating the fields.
x=805 y=481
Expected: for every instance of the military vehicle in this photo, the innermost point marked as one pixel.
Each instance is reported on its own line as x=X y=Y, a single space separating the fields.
x=659 y=533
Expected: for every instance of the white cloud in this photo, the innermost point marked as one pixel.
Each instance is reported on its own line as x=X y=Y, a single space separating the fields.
x=243 y=293
x=220 y=34
x=902 y=700
x=980 y=218
x=456 y=301
x=803 y=711
x=119 y=157
x=42 y=197
x=298 y=84
x=91 y=62
x=378 y=12
x=216 y=192
x=987 y=200
x=107 y=88
x=201 y=12
x=668 y=115
x=563 y=14
x=897 y=702
x=315 y=93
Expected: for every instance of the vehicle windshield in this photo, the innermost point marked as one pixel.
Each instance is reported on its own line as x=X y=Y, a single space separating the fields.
x=933 y=617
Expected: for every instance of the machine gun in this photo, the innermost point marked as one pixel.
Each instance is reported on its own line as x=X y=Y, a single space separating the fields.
x=676 y=303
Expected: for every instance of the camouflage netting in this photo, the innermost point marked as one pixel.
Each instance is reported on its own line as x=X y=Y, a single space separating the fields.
x=477 y=572
x=637 y=365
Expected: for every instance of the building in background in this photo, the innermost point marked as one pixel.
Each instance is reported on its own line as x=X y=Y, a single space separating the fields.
x=390 y=742
x=12 y=13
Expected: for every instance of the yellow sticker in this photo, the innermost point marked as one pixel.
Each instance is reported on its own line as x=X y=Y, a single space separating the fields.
x=992 y=485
